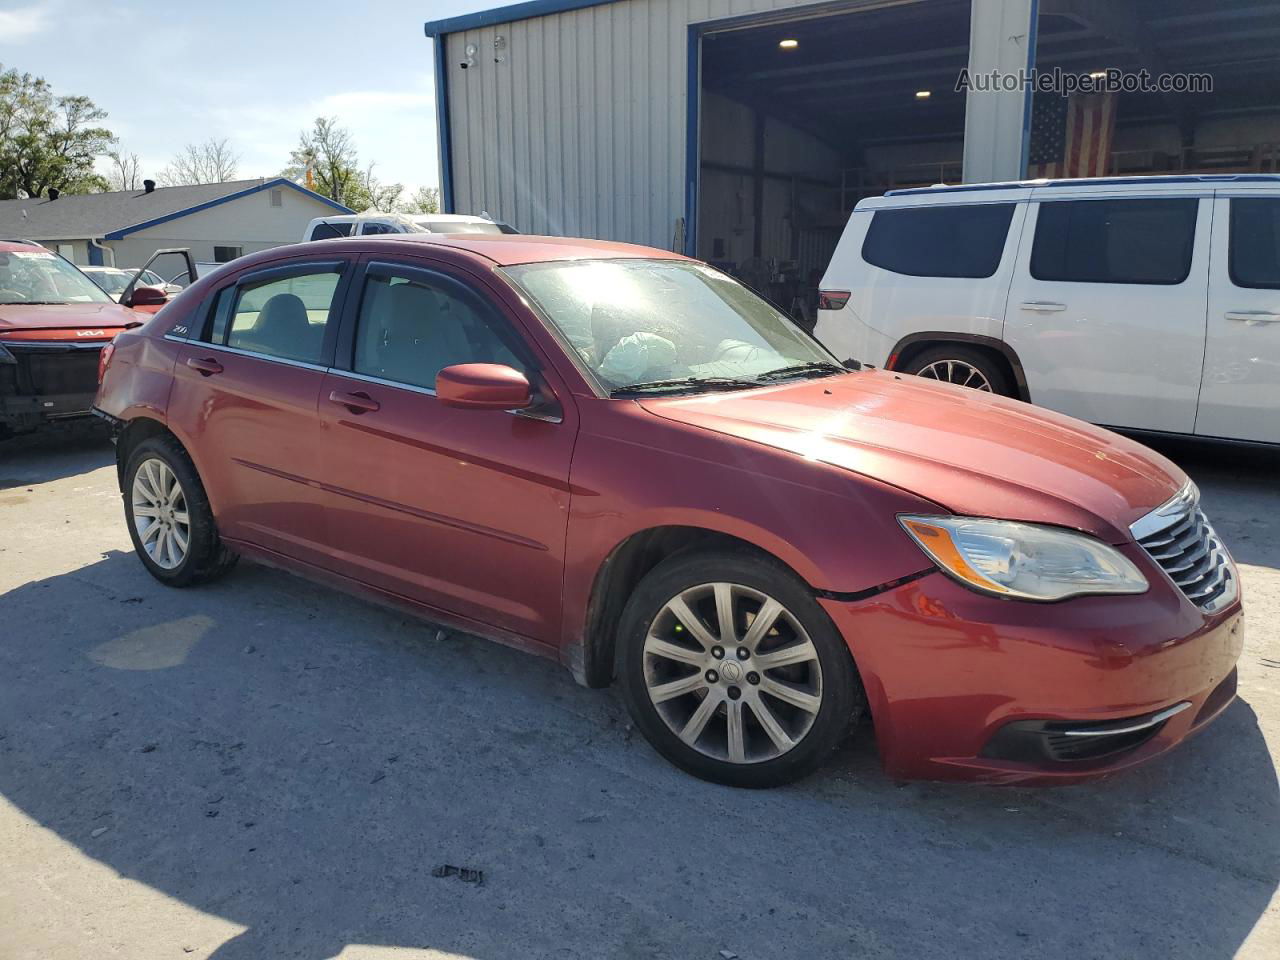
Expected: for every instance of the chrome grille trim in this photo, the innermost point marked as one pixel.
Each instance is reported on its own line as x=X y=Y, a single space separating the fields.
x=1179 y=538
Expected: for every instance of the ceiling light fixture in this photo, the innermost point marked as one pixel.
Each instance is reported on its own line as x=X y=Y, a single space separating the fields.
x=923 y=94
x=1098 y=75
x=788 y=44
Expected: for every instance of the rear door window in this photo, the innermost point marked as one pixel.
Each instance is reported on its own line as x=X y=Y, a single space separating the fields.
x=1254 y=259
x=1139 y=241
x=960 y=240
x=376 y=227
x=285 y=317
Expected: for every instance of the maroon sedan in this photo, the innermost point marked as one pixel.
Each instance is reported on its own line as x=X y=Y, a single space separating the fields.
x=623 y=459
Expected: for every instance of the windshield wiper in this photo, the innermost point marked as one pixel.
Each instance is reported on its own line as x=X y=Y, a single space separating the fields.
x=683 y=384
x=820 y=367
x=38 y=303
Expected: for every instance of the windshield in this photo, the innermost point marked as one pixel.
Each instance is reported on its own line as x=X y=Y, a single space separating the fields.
x=37 y=276
x=669 y=324
x=112 y=281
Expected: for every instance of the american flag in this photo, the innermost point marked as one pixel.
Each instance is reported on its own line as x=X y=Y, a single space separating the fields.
x=1071 y=136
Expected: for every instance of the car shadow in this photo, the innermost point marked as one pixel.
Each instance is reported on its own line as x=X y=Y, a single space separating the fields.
x=56 y=451
x=303 y=764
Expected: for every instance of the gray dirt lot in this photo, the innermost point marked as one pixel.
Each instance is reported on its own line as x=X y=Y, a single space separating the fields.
x=264 y=769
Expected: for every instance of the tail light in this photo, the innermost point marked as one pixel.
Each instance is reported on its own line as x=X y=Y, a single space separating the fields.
x=104 y=361
x=832 y=299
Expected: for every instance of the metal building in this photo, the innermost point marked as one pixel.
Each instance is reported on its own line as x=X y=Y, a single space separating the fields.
x=742 y=131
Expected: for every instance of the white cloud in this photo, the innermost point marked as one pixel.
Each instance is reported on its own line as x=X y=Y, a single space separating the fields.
x=23 y=23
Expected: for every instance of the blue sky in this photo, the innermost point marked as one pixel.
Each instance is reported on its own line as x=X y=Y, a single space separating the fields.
x=257 y=73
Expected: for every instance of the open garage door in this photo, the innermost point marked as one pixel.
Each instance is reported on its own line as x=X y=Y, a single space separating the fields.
x=801 y=118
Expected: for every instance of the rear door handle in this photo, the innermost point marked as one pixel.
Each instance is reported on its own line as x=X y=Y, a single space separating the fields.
x=1043 y=306
x=355 y=402
x=206 y=365
x=1253 y=316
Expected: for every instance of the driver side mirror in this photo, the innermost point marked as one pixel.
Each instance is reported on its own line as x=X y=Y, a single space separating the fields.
x=483 y=386
x=147 y=297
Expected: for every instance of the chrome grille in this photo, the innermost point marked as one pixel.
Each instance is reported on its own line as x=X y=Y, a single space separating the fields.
x=1180 y=539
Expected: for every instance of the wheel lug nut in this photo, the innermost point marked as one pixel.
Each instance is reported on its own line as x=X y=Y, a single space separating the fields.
x=753 y=678
x=734 y=693
x=713 y=677
x=743 y=653
x=718 y=652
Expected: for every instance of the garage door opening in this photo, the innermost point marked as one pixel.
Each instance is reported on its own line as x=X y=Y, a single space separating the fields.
x=802 y=118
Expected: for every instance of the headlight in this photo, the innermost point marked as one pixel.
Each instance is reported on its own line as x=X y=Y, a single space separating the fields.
x=1023 y=560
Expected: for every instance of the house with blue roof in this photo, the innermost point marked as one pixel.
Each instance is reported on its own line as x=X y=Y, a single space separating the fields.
x=217 y=221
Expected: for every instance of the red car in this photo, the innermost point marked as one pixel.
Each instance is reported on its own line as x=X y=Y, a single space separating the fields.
x=623 y=459
x=53 y=322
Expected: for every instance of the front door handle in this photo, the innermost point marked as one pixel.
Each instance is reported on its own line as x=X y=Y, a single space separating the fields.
x=1043 y=306
x=355 y=402
x=1253 y=316
x=206 y=365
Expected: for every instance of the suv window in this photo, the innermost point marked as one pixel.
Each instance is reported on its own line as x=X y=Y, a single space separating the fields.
x=376 y=227
x=280 y=318
x=1115 y=241
x=413 y=324
x=1255 y=243
x=941 y=241
x=326 y=230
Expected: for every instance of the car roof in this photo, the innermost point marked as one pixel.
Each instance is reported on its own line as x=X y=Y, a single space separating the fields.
x=16 y=246
x=499 y=249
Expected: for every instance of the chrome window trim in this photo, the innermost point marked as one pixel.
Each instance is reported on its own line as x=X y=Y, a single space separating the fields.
x=428 y=392
x=287 y=361
x=369 y=378
x=338 y=372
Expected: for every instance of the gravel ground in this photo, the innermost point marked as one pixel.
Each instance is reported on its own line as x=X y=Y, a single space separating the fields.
x=266 y=769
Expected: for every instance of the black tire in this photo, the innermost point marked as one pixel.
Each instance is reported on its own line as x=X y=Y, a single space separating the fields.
x=842 y=698
x=206 y=558
x=980 y=360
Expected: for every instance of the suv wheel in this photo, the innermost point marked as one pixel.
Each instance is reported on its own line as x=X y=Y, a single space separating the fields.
x=169 y=517
x=733 y=671
x=963 y=366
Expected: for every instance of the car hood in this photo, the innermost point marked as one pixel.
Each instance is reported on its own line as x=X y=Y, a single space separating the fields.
x=970 y=452
x=65 y=320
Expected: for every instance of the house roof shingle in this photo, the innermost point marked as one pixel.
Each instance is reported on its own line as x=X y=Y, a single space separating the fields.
x=99 y=214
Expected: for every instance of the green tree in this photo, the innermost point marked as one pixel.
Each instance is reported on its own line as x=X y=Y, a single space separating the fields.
x=331 y=154
x=424 y=200
x=47 y=141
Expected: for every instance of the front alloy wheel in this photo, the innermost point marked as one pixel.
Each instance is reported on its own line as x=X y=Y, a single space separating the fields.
x=732 y=673
x=159 y=514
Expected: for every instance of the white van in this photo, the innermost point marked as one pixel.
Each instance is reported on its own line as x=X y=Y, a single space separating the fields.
x=1144 y=303
x=367 y=224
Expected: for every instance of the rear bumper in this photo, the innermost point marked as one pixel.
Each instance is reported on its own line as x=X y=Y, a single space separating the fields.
x=967 y=687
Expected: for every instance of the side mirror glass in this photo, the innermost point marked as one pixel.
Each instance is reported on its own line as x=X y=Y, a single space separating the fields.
x=483 y=386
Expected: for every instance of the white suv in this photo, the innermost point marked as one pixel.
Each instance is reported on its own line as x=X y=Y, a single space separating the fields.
x=1149 y=304
x=376 y=224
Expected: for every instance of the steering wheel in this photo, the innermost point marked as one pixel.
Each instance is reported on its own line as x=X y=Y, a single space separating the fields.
x=6 y=292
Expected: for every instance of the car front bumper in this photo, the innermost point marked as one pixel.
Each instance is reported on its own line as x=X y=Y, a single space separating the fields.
x=963 y=686
x=47 y=381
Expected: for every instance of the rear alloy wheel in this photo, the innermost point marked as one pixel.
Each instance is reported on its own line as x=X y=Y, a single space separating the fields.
x=160 y=514
x=170 y=520
x=962 y=366
x=741 y=678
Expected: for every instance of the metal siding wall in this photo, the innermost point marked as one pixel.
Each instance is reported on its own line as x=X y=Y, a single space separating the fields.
x=581 y=129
